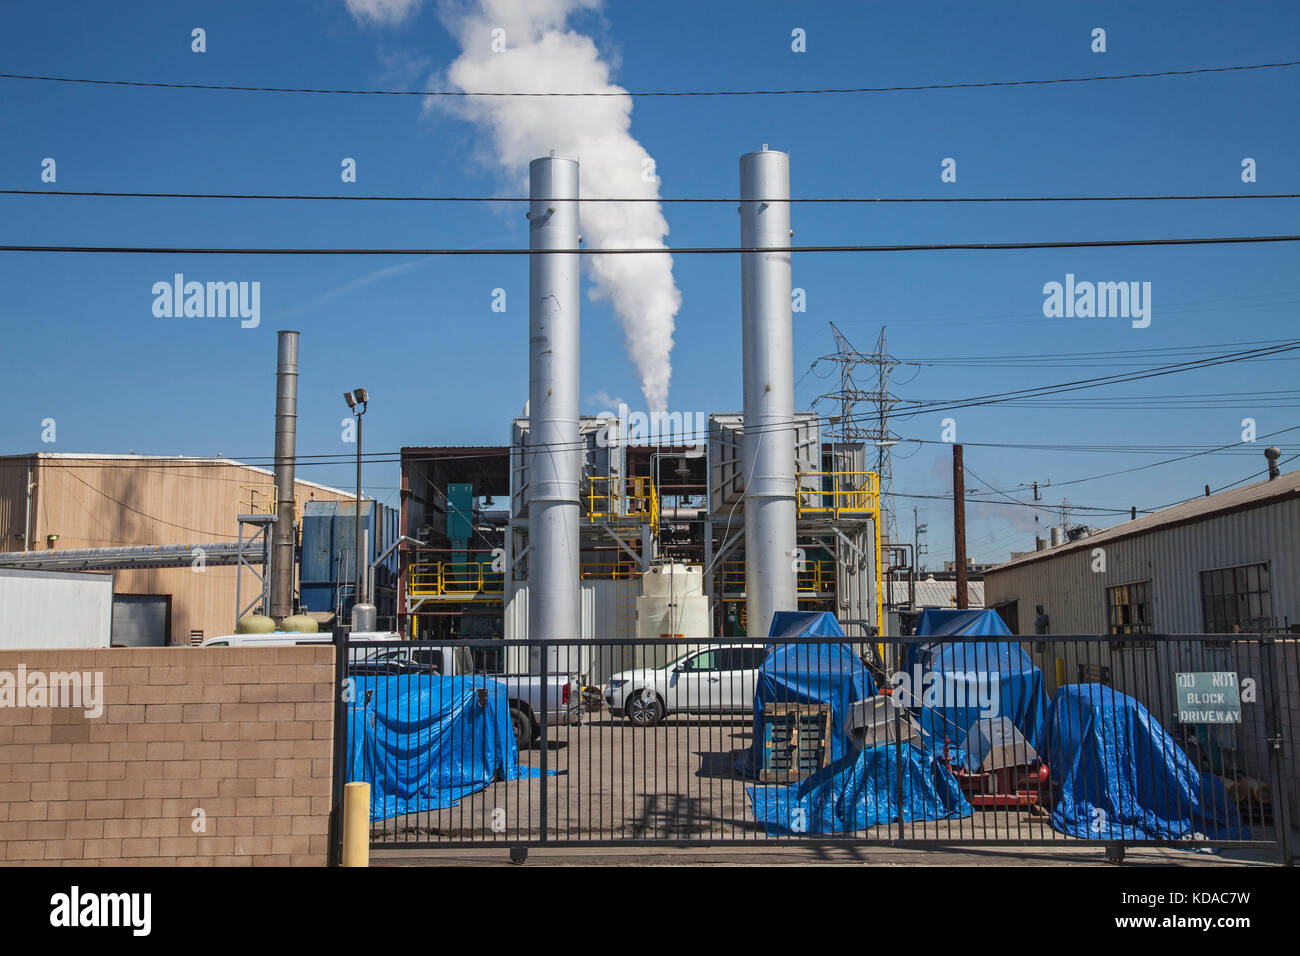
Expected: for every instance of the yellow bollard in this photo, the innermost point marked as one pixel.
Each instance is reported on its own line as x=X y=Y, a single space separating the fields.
x=1060 y=672
x=356 y=824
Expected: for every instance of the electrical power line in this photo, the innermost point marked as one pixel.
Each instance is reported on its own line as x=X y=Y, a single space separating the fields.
x=617 y=92
x=677 y=251
x=724 y=200
x=994 y=398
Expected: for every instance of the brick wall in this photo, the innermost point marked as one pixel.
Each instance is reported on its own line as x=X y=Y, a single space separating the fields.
x=243 y=735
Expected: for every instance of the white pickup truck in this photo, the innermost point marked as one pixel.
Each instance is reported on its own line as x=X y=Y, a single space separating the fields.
x=717 y=679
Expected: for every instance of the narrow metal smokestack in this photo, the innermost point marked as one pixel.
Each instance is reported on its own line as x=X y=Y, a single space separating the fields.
x=286 y=432
x=553 y=452
x=769 y=445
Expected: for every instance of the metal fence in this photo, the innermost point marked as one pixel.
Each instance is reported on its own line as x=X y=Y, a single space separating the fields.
x=1185 y=741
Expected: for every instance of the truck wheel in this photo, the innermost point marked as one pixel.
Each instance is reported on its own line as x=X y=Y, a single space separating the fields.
x=644 y=710
x=523 y=727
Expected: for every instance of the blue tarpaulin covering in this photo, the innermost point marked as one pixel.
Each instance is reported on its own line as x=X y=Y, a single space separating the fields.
x=857 y=789
x=1122 y=777
x=862 y=791
x=954 y=683
x=424 y=742
x=808 y=674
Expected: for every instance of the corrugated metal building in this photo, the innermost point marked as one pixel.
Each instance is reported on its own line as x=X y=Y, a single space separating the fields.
x=104 y=501
x=930 y=593
x=1227 y=561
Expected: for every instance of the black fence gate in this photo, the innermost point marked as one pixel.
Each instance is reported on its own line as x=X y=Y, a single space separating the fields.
x=1179 y=741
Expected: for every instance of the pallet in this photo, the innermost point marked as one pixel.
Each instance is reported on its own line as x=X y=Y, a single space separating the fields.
x=796 y=741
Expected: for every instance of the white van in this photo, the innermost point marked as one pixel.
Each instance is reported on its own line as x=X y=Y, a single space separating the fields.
x=290 y=638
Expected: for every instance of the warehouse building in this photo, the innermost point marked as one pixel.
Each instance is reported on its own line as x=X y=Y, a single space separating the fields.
x=55 y=503
x=1228 y=562
x=1223 y=564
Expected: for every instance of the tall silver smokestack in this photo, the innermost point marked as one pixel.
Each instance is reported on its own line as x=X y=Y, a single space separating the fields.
x=286 y=431
x=554 y=454
x=769 y=445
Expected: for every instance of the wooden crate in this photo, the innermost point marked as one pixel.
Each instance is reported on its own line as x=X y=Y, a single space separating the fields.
x=796 y=741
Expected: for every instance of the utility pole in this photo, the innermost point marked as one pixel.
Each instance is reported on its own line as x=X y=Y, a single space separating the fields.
x=918 y=549
x=1036 y=485
x=959 y=525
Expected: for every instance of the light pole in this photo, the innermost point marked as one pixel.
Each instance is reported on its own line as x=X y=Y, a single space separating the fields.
x=357 y=400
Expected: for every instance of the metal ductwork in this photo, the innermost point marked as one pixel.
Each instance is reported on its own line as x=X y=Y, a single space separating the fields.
x=769 y=437
x=133 y=557
x=286 y=432
x=554 y=450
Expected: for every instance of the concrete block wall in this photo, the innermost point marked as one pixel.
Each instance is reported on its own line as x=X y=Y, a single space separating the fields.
x=214 y=756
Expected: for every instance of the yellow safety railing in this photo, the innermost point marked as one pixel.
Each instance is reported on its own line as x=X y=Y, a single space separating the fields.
x=609 y=571
x=839 y=493
x=453 y=580
x=257 y=500
x=813 y=578
x=261 y=500
x=610 y=498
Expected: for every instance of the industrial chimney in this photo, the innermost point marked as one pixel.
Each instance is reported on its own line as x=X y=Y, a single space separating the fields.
x=553 y=452
x=769 y=437
x=286 y=429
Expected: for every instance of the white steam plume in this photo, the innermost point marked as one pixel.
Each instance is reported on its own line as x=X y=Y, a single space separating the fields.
x=538 y=53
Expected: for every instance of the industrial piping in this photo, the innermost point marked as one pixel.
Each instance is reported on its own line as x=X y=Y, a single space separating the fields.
x=553 y=451
x=286 y=429
x=769 y=438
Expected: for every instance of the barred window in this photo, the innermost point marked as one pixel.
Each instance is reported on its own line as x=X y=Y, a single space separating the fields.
x=1128 y=608
x=1236 y=599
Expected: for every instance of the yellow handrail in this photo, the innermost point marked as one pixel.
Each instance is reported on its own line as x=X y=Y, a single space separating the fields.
x=611 y=498
x=609 y=570
x=257 y=499
x=838 y=493
x=841 y=494
x=456 y=580
x=816 y=577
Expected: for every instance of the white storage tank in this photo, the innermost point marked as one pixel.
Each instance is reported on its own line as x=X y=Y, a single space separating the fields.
x=672 y=604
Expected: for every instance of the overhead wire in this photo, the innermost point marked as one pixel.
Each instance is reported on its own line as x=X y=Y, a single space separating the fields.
x=619 y=92
x=634 y=251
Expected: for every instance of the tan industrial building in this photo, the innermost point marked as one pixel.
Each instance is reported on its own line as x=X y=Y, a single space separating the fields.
x=1223 y=563
x=59 y=502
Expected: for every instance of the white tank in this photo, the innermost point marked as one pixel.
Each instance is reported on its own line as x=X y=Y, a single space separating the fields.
x=672 y=604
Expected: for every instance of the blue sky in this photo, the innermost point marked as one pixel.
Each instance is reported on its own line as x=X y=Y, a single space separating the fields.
x=82 y=346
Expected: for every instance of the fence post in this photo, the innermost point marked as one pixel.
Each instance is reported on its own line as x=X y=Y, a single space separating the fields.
x=545 y=669
x=340 y=769
x=1276 y=742
x=898 y=767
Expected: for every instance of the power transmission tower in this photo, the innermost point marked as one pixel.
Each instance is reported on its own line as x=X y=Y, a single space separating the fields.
x=871 y=428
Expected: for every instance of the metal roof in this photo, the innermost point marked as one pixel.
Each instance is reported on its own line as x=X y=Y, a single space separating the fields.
x=179 y=459
x=931 y=593
x=1255 y=495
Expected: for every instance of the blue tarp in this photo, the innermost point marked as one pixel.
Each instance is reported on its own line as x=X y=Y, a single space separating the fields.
x=1122 y=777
x=861 y=791
x=857 y=789
x=954 y=683
x=808 y=674
x=424 y=742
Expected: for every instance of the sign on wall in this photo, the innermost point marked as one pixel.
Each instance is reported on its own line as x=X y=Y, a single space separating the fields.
x=1208 y=697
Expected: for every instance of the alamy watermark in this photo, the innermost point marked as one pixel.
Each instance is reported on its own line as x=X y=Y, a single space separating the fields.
x=679 y=429
x=1101 y=300
x=84 y=689
x=211 y=300
x=971 y=689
